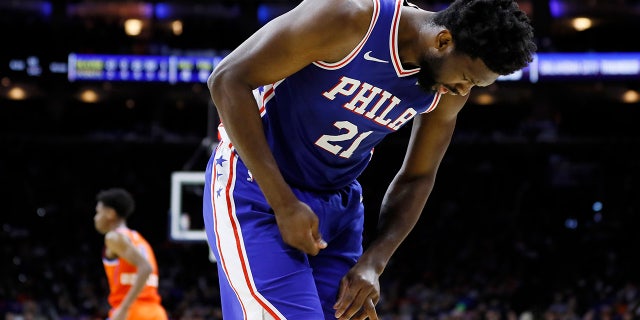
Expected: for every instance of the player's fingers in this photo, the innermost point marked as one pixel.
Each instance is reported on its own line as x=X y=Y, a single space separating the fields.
x=317 y=236
x=310 y=246
x=319 y=242
x=376 y=299
x=344 y=298
x=370 y=309
x=356 y=305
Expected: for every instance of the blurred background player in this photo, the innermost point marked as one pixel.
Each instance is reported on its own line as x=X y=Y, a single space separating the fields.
x=128 y=259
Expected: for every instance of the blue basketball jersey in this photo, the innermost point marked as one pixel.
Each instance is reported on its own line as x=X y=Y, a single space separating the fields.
x=324 y=121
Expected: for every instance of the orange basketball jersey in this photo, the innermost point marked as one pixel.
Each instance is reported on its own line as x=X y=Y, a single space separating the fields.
x=121 y=274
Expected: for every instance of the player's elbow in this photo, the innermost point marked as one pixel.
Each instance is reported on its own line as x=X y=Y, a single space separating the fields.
x=219 y=77
x=421 y=182
x=213 y=80
x=144 y=270
x=223 y=83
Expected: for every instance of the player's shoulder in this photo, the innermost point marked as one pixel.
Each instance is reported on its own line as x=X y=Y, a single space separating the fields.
x=346 y=11
x=115 y=237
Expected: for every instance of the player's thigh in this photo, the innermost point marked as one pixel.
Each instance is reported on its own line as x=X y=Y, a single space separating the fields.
x=343 y=217
x=265 y=274
x=332 y=263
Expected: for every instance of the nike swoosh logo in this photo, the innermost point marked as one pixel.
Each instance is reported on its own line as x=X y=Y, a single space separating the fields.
x=367 y=56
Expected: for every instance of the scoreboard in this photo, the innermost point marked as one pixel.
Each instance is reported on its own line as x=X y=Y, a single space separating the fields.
x=137 y=68
x=579 y=66
x=172 y=69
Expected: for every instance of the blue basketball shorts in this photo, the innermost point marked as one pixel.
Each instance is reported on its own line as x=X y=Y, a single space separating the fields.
x=260 y=276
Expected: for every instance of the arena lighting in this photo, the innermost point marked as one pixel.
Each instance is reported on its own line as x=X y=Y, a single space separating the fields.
x=89 y=96
x=597 y=206
x=176 y=27
x=557 y=8
x=17 y=93
x=571 y=223
x=484 y=99
x=267 y=12
x=162 y=10
x=631 y=96
x=30 y=65
x=581 y=23
x=228 y=10
x=133 y=27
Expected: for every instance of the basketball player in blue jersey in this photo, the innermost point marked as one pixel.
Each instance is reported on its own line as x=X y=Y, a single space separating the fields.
x=303 y=103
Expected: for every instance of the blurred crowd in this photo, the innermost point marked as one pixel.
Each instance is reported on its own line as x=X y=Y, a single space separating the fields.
x=478 y=283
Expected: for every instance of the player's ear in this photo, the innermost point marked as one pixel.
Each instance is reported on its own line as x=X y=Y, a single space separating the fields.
x=444 y=40
x=111 y=213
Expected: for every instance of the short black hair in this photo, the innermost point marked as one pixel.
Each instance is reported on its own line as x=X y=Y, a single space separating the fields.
x=496 y=31
x=119 y=199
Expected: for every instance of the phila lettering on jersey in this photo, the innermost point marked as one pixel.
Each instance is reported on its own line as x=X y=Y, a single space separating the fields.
x=361 y=102
x=324 y=121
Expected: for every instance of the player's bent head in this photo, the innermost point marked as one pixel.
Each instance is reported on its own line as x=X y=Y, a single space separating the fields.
x=496 y=31
x=120 y=200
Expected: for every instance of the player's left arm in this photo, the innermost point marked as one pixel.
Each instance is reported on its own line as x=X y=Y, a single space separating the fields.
x=401 y=207
x=120 y=245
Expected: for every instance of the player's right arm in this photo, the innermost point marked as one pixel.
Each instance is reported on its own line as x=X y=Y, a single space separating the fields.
x=119 y=245
x=324 y=30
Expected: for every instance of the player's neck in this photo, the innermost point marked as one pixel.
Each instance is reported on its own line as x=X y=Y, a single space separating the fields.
x=414 y=32
x=119 y=224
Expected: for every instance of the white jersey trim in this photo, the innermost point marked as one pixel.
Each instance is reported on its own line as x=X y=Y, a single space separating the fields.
x=356 y=50
x=393 y=44
x=434 y=103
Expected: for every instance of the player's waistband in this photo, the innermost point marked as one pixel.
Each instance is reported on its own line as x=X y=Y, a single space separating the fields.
x=224 y=138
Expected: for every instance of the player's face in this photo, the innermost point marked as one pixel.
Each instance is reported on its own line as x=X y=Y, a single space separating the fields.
x=100 y=219
x=454 y=74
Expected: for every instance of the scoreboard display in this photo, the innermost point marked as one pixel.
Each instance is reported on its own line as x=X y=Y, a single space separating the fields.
x=172 y=69
x=137 y=68
x=579 y=67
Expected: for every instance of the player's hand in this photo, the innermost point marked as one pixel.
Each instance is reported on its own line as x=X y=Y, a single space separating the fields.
x=298 y=226
x=359 y=293
x=119 y=314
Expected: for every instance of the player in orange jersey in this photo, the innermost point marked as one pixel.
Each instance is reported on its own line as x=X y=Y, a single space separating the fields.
x=128 y=259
